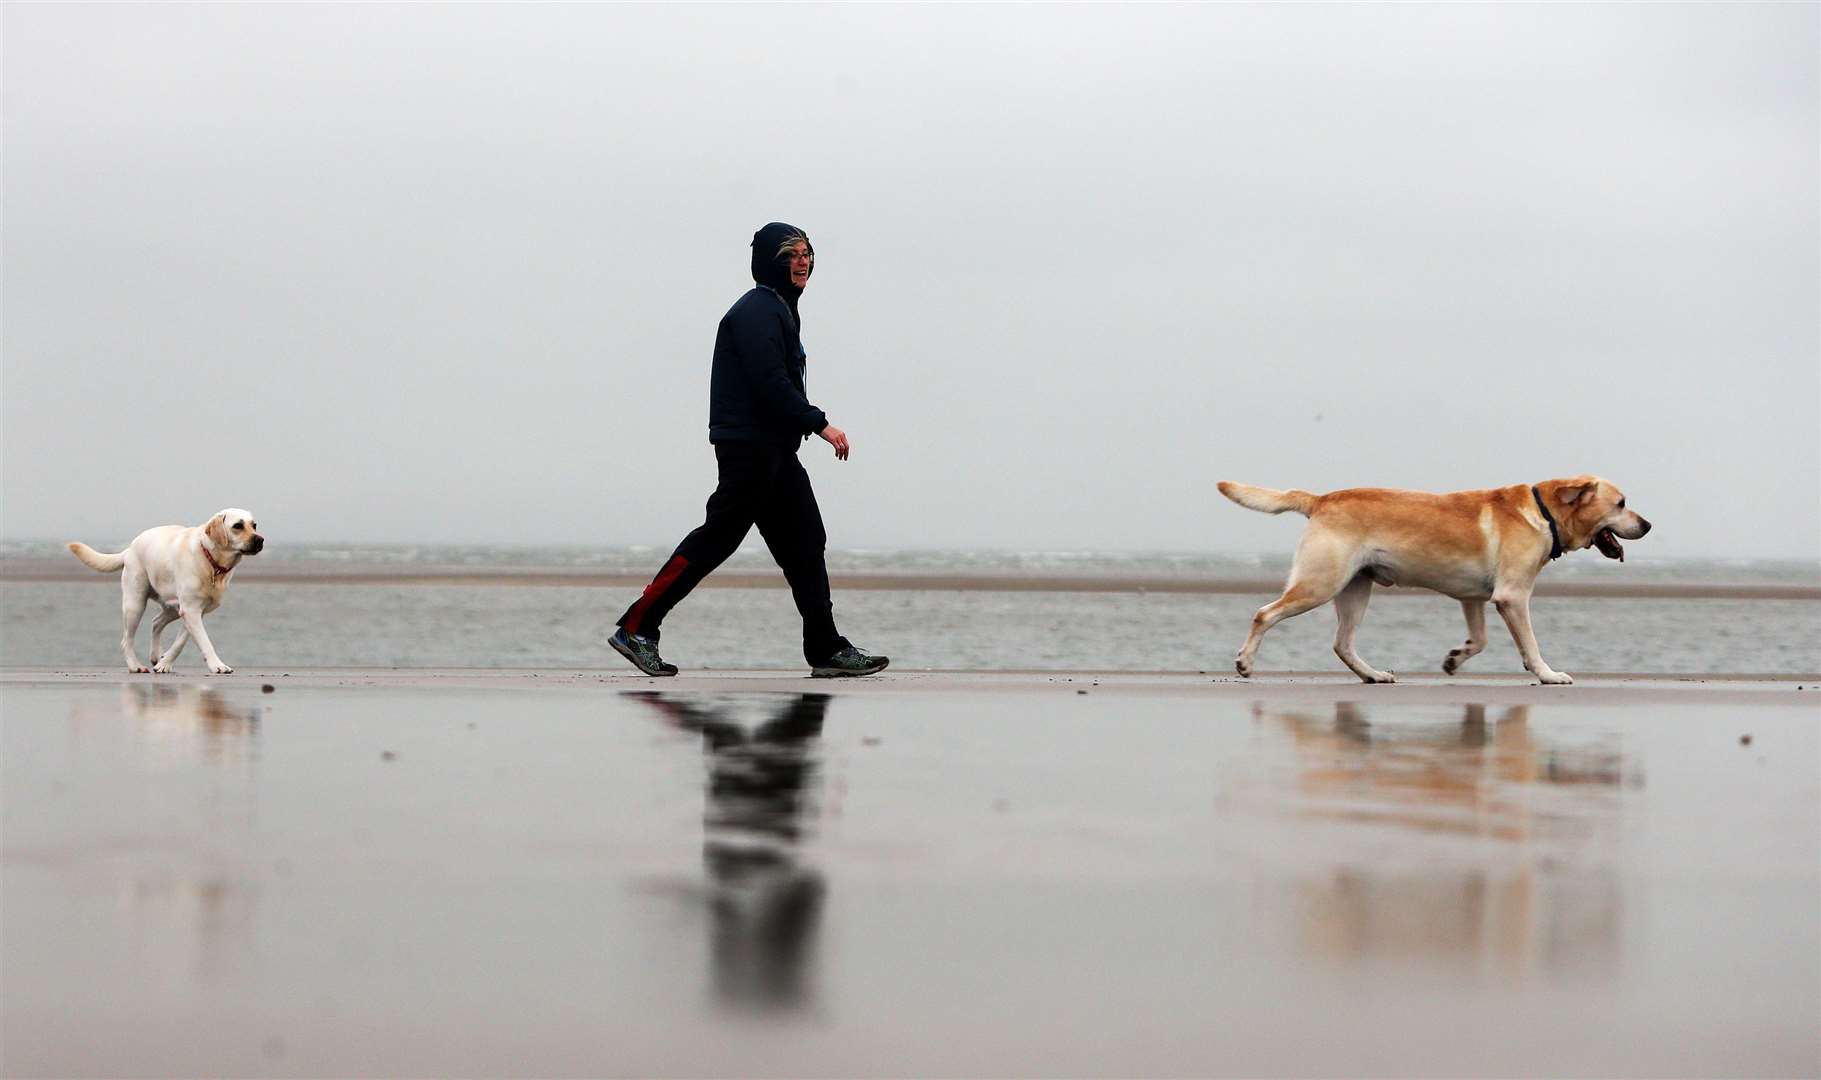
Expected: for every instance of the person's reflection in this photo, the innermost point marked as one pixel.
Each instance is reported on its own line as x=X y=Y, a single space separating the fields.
x=767 y=903
x=1442 y=784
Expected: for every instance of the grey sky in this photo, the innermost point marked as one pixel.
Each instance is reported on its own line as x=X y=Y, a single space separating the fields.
x=426 y=272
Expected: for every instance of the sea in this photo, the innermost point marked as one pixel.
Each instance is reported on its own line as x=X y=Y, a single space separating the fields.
x=462 y=610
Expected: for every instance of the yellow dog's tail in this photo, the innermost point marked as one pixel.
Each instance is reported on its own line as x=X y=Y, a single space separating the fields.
x=1268 y=500
x=96 y=560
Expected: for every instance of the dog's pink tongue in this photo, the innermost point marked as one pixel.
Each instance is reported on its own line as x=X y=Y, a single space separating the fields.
x=1609 y=545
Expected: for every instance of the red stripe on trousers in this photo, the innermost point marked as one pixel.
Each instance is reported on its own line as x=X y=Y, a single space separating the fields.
x=665 y=579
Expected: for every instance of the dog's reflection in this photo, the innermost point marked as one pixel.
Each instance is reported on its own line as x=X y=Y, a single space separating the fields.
x=1468 y=777
x=1545 y=898
x=187 y=713
x=766 y=901
x=193 y=908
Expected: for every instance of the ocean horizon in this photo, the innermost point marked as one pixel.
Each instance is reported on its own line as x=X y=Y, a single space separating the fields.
x=30 y=558
x=314 y=605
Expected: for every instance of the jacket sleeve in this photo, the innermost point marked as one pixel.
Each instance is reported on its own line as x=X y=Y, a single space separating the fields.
x=765 y=361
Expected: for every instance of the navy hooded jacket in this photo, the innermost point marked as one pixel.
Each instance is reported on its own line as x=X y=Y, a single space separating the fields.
x=757 y=390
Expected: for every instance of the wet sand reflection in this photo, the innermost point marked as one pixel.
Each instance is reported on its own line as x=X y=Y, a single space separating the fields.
x=187 y=715
x=199 y=909
x=1542 y=898
x=765 y=899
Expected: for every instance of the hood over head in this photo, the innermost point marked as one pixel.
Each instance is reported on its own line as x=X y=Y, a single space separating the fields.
x=770 y=267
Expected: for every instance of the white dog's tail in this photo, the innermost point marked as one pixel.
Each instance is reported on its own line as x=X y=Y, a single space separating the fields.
x=97 y=561
x=1268 y=500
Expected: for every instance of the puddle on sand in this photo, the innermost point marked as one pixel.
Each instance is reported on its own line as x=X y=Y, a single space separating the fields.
x=414 y=880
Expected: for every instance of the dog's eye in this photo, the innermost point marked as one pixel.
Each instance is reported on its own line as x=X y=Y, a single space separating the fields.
x=238 y=526
x=1621 y=504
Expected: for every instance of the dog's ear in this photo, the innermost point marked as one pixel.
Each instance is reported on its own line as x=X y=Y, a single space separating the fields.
x=217 y=531
x=1571 y=492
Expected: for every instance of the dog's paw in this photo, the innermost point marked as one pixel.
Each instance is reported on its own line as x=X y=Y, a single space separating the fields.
x=1453 y=661
x=139 y=669
x=1554 y=678
x=221 y=669
x=1379 y=677
x=1244 y=667
x=162 y=667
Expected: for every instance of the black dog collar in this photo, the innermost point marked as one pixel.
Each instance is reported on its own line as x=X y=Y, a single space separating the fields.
x=1555 y=537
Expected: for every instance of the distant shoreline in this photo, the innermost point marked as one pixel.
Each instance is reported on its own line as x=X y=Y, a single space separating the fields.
x=35 y=571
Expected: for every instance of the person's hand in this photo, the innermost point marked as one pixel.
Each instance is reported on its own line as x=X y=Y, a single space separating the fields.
x=837 y=439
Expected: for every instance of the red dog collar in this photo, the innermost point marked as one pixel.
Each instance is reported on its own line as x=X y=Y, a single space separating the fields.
x=220 y=570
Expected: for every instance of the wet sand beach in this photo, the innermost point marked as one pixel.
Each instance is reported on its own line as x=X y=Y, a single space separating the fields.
x=367 y=872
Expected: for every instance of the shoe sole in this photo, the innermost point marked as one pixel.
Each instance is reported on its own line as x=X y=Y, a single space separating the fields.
x=614 y=644
x=847 y=673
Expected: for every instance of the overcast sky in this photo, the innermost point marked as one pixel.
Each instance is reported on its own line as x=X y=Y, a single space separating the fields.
x=452 y=273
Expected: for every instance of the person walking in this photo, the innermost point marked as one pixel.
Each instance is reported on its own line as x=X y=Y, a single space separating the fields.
x=758 y=416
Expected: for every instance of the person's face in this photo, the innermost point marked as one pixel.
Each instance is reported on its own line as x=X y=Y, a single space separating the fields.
x=799 y=265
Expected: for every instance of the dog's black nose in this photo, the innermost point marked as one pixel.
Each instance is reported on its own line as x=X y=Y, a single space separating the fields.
x=259 y=543
x=1645 y=524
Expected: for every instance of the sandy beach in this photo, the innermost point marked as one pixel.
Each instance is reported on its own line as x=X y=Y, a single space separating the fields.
x=373 y=872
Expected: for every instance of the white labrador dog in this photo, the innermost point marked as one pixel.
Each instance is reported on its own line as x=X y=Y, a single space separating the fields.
x=185 y=569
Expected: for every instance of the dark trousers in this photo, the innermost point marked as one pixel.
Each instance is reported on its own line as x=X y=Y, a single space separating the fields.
x=759 y=485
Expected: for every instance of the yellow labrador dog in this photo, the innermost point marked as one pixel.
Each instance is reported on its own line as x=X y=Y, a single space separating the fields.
x=185 y=569
x=1472 y=545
